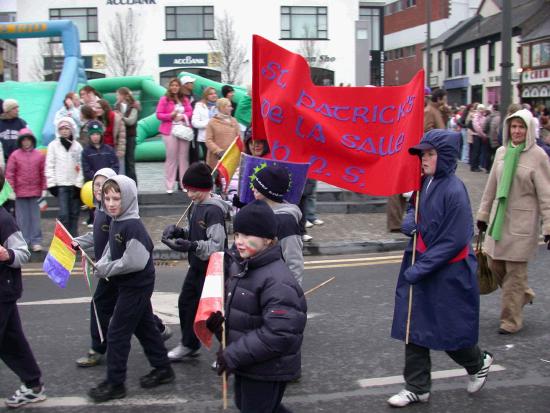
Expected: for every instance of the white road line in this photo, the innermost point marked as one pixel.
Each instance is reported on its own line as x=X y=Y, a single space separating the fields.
x=442 y=374
x=380 y=258
x=58 y=402
x=357 y=264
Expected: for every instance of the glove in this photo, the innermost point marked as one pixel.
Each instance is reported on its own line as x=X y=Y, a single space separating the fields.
x=76 y=192
x=547 y=240
x=54 y=190
x=408 y=228
x=75 y=246
x=220 y=154
x=237 y=202
x=214 y=323
x=481 y=226
x=179 y=244
x=222 y=363
x=171 y=231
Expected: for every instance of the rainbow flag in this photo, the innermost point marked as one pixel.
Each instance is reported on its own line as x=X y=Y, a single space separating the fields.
x=230 y=160
x=61 y=256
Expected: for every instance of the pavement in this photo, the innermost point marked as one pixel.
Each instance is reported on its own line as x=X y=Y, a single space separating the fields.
x=340 y=233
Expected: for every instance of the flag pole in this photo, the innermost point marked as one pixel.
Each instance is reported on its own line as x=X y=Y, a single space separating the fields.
x=224 y=375
x=319 y=286
x=416 y=203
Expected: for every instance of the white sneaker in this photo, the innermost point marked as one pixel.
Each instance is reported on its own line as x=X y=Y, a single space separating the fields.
x=405 y=397
x=309 y=224
x=318 y=222
x=36 y=248
x=306 y=238
x=24 y=395
x=180 y=352
x=476 y=381
x=169 y=191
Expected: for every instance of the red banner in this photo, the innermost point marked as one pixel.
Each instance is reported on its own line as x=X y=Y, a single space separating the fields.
x=354 y=137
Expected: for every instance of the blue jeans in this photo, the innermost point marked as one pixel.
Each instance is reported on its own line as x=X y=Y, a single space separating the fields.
x=27 y=214
x=69 y=208
x=310 y=206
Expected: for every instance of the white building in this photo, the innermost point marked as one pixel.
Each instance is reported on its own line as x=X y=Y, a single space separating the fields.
x=175 y=35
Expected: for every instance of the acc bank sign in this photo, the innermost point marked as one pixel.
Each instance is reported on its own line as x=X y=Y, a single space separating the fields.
x=177 y=60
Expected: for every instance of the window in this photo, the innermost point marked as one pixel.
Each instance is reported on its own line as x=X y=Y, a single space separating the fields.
x=85 y=20
x=303 y=22
x=540 y=54
x=440 y=60
x=477 y=59
x=491 y=56
x=189 y=22
x=372 y=16
x=525 y=56
x=410 y=3
x=463 y=67
x=449 y=65
x=397 y=6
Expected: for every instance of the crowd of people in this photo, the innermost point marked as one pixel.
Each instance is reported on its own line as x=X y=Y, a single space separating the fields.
x=265 y=306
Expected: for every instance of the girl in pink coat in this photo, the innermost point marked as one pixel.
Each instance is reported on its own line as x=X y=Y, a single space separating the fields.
x=174 y=108
x=25 y=173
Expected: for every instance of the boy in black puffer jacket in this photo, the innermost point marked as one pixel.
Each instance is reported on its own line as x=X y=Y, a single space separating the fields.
x=265 y=311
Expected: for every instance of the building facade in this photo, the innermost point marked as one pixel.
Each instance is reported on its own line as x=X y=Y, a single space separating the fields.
x=405 y=32
x=342 y=39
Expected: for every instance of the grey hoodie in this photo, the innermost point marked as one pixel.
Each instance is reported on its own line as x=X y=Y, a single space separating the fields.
x=288 y=232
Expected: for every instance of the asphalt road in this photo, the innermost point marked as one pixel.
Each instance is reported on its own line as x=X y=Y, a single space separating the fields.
x=350 y=363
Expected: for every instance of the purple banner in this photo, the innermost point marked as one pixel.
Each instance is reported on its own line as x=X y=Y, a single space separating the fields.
x=250 y=165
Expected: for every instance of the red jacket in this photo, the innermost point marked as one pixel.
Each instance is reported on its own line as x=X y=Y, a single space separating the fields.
x=25 y=173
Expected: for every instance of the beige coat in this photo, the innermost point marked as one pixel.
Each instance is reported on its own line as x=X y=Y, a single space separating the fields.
x=529 y=198
x=219 y=135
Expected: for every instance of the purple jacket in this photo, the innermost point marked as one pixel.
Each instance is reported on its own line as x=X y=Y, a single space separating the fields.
x=165 y=108
x=25 y=173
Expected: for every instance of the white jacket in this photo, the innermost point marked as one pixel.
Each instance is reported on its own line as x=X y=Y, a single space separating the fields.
x=201 y=117
x=64 y=167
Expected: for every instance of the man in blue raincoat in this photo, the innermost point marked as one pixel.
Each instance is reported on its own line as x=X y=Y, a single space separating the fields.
x=445 y=295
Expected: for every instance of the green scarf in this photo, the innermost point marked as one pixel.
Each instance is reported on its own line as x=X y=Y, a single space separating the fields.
x=511 y=159
x=6 y=192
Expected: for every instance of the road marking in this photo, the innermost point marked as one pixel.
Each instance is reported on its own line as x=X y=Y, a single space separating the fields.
x=358 y=264
x=59 y=402
x=442 y=374
x=388 y=257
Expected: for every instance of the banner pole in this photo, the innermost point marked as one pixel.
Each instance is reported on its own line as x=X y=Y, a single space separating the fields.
x=417 y=201
x=224 y=375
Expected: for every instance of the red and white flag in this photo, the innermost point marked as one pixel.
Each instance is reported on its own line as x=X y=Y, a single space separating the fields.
x=211 y=298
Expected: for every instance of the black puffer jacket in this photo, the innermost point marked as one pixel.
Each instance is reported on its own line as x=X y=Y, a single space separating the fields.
x=266 y=316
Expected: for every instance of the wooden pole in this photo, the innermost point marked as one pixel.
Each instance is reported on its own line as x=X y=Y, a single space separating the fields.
x=319 y=286
x=412 y=263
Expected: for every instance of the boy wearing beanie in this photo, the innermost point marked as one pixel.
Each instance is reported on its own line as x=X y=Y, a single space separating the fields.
x=270 y=185
x=25 y=173
x=10 y=125
x=14 y=348
x=205 y=234
x=265 y=312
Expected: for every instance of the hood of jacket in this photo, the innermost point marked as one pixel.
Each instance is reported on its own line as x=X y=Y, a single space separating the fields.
x=107 y=173
x=529 y=120
x=287 y=208
x=71 y=123
x=129 y=197
x=23 y=136
x=447 y=145
x=218 y=201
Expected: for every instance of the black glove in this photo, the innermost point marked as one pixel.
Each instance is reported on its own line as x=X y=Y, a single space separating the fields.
x=180 y=244
x=76 y=192
x=481 y=226
x=222 y=363
x=215 y=324
x=546 y=239
x=220 y=154
x=54 y=190
x=237 y=202
x=171 y=231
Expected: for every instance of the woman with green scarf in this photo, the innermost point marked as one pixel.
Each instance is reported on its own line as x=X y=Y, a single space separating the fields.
x=516 y=195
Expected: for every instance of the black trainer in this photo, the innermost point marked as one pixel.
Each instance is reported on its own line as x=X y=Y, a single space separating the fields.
x=157 y=376
x=106 y=391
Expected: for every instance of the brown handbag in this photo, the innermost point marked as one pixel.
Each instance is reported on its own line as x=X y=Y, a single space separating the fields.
x=485 y=278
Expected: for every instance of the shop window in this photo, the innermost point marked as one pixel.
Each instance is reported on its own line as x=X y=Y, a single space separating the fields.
x=211 y=74
x=85 y=19
x=304 y=22
x=322 y=77
x=189 y=22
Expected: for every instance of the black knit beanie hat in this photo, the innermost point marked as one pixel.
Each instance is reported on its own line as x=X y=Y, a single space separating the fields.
x=258 y=219
x=198 y=177
x=272 y=182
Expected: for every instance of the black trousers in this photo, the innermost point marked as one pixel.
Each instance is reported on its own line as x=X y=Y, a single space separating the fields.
x=130 y=158
x=475 y=154
x=188 y=302
x=105 y=298
x=254 y=396
x=418 y=365
x=14 y=347
x=133 y=314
